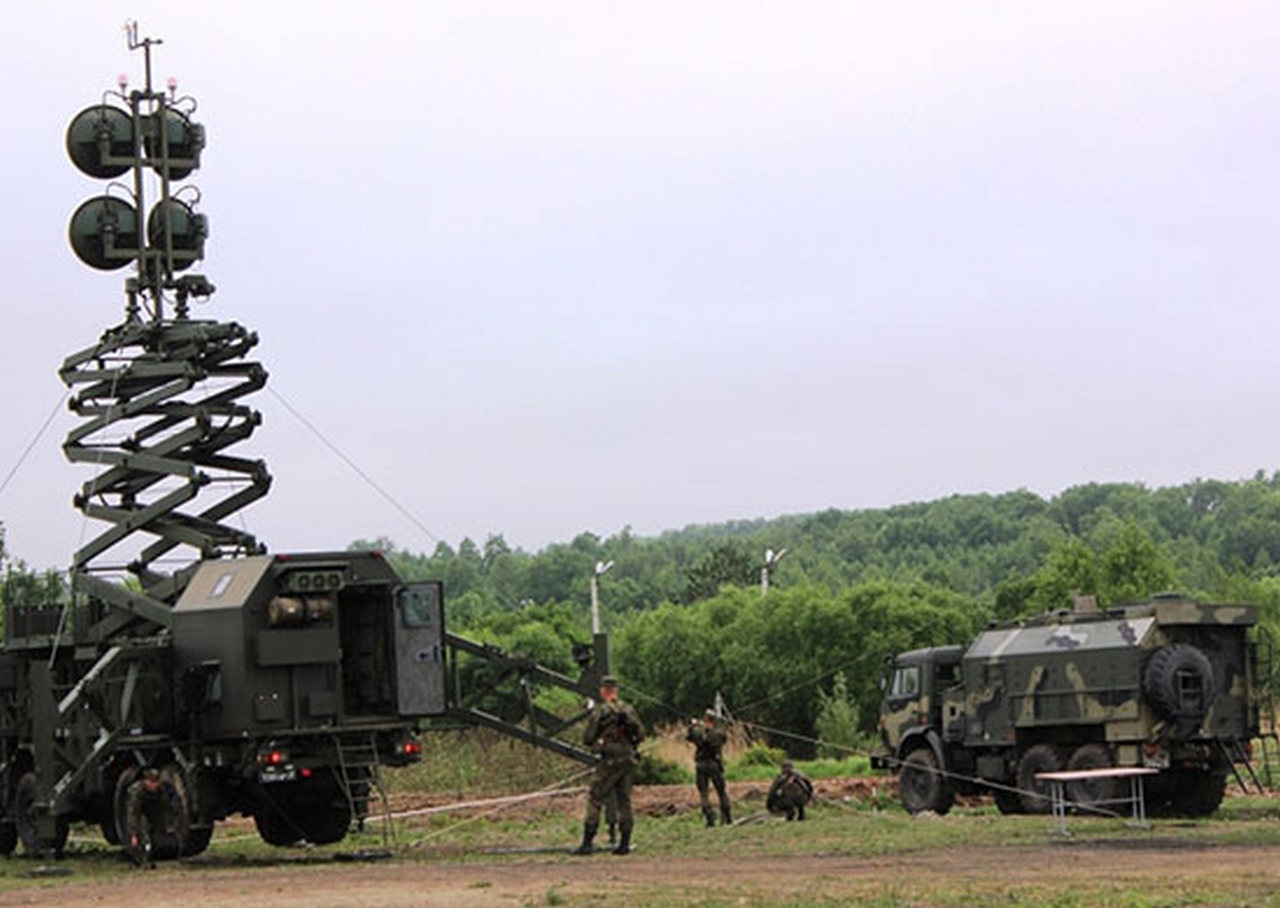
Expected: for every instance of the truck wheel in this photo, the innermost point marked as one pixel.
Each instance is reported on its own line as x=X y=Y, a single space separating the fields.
x=1033 y=792
x=1197 y=792
x=921 y=784
x=1090 y=792
x=197 y=840
x=1007 y=802
x=24 y=820
x=322 y=810
x=274 y=826
x=1179 y=684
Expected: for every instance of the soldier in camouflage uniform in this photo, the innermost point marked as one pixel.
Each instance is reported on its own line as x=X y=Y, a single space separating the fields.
x=708 y=743
x=145 y=808
x=614 y=732
x=790 y=792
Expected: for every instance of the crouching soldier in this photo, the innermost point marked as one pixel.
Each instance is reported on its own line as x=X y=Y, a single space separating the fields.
x=708 y=759
x=790 y=792
x=614 y=732
x=146 y=810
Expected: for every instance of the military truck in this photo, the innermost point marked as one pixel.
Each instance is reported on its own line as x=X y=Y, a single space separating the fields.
x=188 y=660
x=1170 y=684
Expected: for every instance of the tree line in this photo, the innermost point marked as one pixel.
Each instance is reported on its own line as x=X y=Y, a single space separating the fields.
x=689 y=621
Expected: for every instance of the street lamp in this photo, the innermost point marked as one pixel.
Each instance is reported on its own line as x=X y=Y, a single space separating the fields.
x=602 y=568
x=771 y=559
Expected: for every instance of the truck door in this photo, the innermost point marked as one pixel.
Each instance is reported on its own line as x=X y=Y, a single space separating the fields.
x=419 y=649
x=901 y=710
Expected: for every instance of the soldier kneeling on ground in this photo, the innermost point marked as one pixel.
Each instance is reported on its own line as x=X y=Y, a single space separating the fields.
x=790 y=792
x=148 y=813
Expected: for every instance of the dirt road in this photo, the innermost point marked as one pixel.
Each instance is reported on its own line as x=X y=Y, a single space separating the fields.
x=555 y=879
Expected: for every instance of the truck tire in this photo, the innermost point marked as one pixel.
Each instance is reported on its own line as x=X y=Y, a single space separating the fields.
x=922 y=785
x=1033 y=792
x=1196 y=792
x=1089 y=793
x=274 y=826
x=316 y=810
x=24 y=818
x=1179 y=684
x=1007 y=801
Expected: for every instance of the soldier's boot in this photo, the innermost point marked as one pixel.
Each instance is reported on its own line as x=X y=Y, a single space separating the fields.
x=710 y=817
x=624 y=846
x=726 y=818
x=613 y=833
x=588 y=836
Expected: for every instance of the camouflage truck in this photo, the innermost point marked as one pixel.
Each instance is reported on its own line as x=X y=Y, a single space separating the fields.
x=1170 y=684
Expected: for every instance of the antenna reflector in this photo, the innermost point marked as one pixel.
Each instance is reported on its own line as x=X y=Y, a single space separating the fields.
x=104 y=233
x=99 y=133
x=186 y=141
x=186 y=228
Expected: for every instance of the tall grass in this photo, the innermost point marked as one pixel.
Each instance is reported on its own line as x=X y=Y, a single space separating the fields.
x=480 y=762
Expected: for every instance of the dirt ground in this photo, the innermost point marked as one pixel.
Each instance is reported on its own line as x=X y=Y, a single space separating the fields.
x=554 y=877
x=400 y=885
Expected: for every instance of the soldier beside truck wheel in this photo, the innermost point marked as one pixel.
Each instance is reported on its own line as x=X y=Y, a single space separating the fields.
x=151 y=809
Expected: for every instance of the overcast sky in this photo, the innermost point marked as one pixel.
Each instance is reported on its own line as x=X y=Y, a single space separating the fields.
x=545 y=268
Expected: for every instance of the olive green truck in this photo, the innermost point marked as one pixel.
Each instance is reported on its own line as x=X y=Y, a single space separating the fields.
x=1169 y=684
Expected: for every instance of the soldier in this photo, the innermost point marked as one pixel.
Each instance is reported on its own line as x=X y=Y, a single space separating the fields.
x=144 y=814
x=613 y=731
x=611 y=817
x=790 y=791
x=708 y=743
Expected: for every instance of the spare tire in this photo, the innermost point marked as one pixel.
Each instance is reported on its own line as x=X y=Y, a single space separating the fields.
x=1179 y=683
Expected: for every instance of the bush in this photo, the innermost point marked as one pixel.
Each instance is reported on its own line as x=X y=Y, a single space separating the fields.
x=653 y=770
x=837 y=723
x=762 y=755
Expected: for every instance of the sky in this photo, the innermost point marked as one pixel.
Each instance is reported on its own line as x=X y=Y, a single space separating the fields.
x=544 y=269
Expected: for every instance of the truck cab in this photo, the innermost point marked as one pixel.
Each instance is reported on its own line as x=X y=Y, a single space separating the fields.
x=912 y=694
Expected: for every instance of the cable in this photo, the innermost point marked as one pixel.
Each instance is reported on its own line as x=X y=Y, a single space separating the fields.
x=31 y=446
x=404 y=512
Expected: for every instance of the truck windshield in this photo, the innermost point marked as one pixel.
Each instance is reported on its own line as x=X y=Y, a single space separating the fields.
x=905 y=682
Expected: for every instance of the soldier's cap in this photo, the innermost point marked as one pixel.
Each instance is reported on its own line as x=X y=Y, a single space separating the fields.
x=711 y=713
x=609 y=681
x=787 y=764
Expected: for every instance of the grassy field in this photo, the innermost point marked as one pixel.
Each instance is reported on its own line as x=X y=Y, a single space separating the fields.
x=845 y=852
x=863 y=850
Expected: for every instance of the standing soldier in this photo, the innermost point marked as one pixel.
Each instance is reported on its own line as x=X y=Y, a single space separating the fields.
x=708 y=749
x=613 y=731
x=790 y=791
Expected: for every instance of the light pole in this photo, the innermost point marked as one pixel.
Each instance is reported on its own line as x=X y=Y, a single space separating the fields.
x=602 y=568
x=771 y=559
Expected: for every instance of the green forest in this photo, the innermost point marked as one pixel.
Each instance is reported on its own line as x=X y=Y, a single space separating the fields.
x=688 y=617
x=689 y=620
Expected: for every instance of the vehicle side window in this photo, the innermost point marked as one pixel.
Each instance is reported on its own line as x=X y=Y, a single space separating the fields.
x=905 y=683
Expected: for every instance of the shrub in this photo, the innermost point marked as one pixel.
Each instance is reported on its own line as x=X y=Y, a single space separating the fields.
x=654 y=770
x=762 y=755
